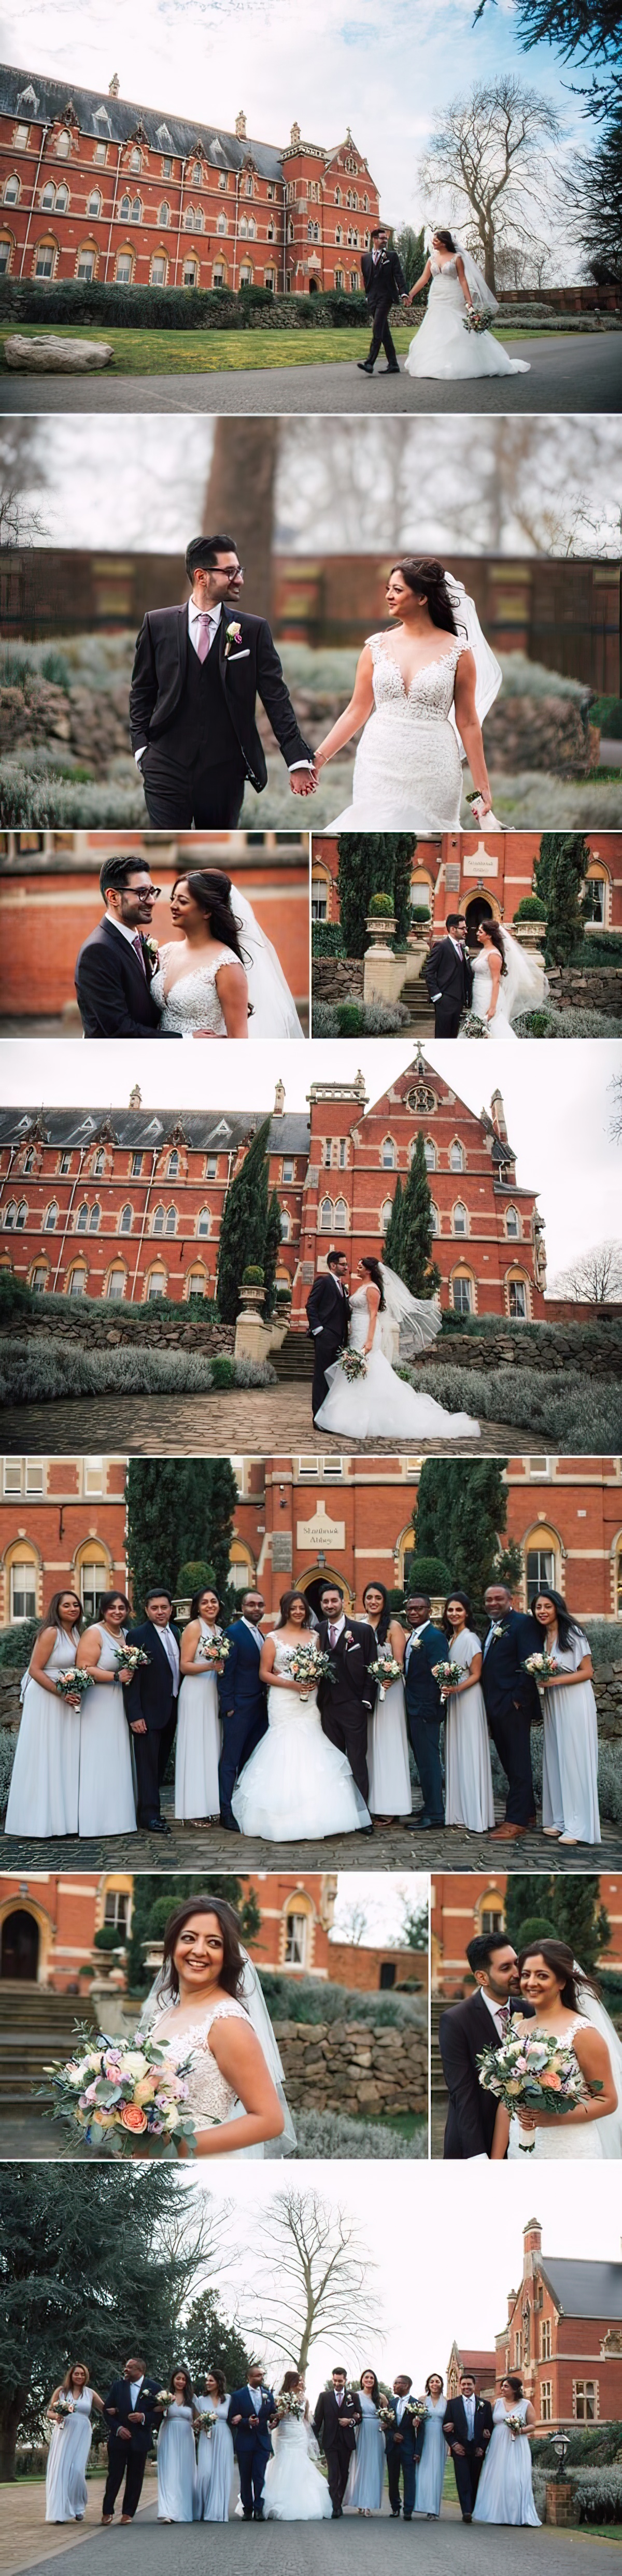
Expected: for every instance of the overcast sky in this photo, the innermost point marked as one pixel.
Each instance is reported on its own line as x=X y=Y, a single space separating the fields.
x=384 y=1895
x=558 y=1101
x=437 y=2276
x=382 y=67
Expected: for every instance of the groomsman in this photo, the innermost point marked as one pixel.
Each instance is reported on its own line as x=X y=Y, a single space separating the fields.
x=403 y=2444
x=242 y=1701
x=334 y=2423
x=482 y=2021
x=151 y=1704
x=467 y=2427
x=131 y=2414
x=250 y=2411
x=425 y=1646
x=512 y=1703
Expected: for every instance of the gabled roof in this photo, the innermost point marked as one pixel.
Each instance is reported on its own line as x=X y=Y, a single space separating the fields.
x=219 y=1131
x=583 y=2289
x=32 y=96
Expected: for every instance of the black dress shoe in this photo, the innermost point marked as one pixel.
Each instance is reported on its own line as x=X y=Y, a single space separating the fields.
x=364 y=367
x=390 y=371
x=229 y=1824
x=419 y=1824
x=156 y=1825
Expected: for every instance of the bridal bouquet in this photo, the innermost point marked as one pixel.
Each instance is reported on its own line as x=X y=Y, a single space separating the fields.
x=74 y=1683
x=472 y=1027
x=447 y=1675
x=289 y=2404
x=543 y=1667
x=354 y=1365
x=64 y=2406
x=532 y=2073
x=128 y=1659
x=311 y=1664
x=515 y=2426
x=212 y=1650
x=116 y=2095
x=385 y=1671
x=474 y=320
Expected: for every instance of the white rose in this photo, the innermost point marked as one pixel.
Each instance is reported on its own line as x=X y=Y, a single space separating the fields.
x=172 y=2118
x=135 y=2064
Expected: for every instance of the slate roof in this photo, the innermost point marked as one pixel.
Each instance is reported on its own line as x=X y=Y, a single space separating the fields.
x=205 y=1130
x=32 y=96
x=584 y=2289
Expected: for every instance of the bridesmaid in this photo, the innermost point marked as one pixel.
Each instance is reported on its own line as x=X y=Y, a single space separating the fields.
x=215 y=2457
x=176 y=2457
x=432 y=2463
x=570 y=1812
x=106 y=1791
x=366 y=2471
x=390 y=1792
x=65 y=2483
x=43 y=1797
x=468 y=1776
x=199 y=1733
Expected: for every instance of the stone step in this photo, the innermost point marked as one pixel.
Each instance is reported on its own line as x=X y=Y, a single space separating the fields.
x=295 y=1357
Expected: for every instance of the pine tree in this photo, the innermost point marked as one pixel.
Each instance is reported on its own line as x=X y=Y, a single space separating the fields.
x=244 y=1223
x=462 y=1510
x=419 y=1272
x=272 y=1247
x=392 y=1247
x=373 y=863
x=178 y=1509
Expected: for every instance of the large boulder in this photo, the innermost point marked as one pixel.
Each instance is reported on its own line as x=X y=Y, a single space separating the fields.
x=49 y=356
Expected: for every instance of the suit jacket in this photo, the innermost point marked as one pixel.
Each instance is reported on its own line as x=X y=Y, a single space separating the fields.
x=151 y=1693
x=464 y=2031
x=455 y=2422
x=447 y=973
x=352 y=1687
x=114 y=996
x=118 y=2405
x=383 y=279
x=423 y=1698
x=246 y=2435
x=239 y=1686
x=411 y=2445
x=504 y=1683
x=328 y=1309
x=248 y=670
x=326 y=2425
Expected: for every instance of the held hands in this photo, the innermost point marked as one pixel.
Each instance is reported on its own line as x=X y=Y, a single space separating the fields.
x=303 y=782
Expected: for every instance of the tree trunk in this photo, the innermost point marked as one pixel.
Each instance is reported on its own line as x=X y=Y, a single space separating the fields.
x=10 y=2411
x=239 y=500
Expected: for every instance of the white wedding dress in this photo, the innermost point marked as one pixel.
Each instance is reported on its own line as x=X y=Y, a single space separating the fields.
x=193 y=1001
x=408 y=771
x=505 y=2491
x=443 y=347
x=65 y=2482
x=499 y=1026
x=381 y=1405
x=295 y=2490
x=297 y=1786
x=561 y=2144
x=570 y=1753
x=523 y=987
x=468 y=1776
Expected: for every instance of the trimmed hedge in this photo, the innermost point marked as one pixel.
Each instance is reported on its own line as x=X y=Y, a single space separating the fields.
x=175 y=308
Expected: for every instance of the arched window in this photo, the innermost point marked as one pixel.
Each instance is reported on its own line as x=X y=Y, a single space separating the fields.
x=47 y=196
x=170 y=1226
x=115 y=1283
x=246 y=273
x=463 y=1293
x=460 y=1222
x=296 y=1931
x=22 y=1216
x=388 y=1156
x=86 y=262
x=221 y=226
x=125 y=1220
x=341 y=1217
x=38 y=1279
x=542 y=1558
x=124 y=210
x=337 y=196
x=124 y=265
x=252 y=228
x=199 y=219
x=23 y=1588
x=197 y=174
x=135 y=159
x=164 y=215
x=518 y=1300
x=62 y=199
x=196 y=1283
x=12 y=191
x=512 y=1222
x=29 y=1161
x=137 y=212
x=7 y=247
x=156 y=1283
x=10 y=1214
x=286 y=1226
x=366 y=205
x=190 y=276
x=63 y=144
x=188 y=218
x=158 y=1221
x=430 y=1154
x=94 y=1217
x=326 y=1216
x=99 y=1164
x=353 y=239
x=93 y=1573
x=436 y=1222
x=173 y=1165
x=456 y=1156
x=82 y=1218
x=76 y=1283
x=50 y=1220
x=157 y=272
x=93 y=203
x=385 y=1215
x=339 y=236
x=204 y=1221
x=243 y=228
x=249 y=186
x=46 y=255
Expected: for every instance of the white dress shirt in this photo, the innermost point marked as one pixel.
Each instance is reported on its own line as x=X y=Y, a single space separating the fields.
x=123 y=928
x=254 y=1632
x=495 y=2009
x=135 y=2389
x=415 y=1633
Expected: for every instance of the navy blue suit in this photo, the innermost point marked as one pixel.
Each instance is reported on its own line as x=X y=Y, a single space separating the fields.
x=402 y=2457
x=513 y=1707
x=252 y=2445
x=424 y=1714
x=243 y=1710
x=151 y=1695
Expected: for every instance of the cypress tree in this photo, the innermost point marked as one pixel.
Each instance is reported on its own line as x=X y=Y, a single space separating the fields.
x=272 y=1247
x=373 y=863
x=559 y=877
x=419 y=1272
x=178 y=1509
x=524 y=1896
x=392 y=1247
x=244 y=1223
x=580 y=1919
x=462 y=1509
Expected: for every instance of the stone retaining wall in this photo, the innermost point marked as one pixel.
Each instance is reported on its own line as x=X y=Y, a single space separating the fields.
x=608 y=1692
x=353 y=2066
x=588 y=988
x=127 y=1326
x=561 y=1350
x=337 y=979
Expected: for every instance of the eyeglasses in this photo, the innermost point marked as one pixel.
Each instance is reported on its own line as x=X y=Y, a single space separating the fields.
x=147 y=894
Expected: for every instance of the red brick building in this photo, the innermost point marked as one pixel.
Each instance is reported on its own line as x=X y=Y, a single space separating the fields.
x=482 y=2366
x=461 y=870
x=96 y=186
x=50 y=902
x=304 y=1519
x=463 y=1904
x=563 y=2332
x=48 y=1923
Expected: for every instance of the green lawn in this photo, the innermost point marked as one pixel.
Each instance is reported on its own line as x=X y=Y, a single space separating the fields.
x=182 y=353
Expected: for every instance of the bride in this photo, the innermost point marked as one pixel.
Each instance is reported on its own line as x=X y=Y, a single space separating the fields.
x=206 y=983
x=505 y=981
x=421 y=701
x=377 y=1403
x=294 y=2490
x=207 y=2001
x=442 y=345
x=566 y=2007
x=297 y=1785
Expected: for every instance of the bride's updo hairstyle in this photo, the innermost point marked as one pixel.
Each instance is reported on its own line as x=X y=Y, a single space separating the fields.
x=212 y=890
x=446 y=239
x=285 y=1607
x=426 y=578
x=560 y=1959
x=493 y=933
x=372 y=1266
x=291 y=2379
x=232 y=1972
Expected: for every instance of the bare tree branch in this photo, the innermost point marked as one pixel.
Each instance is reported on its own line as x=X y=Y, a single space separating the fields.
x=318 y=2278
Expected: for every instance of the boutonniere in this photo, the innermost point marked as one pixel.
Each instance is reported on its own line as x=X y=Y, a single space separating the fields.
x=153 y=952
x=497 y=1628
x=348 y=1638
x=233 y=636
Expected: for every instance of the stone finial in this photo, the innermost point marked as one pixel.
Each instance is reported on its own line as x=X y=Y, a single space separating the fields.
x=136 y=1097
x=295 y=138
x=240 y=126
x=114 y=86
x=279 y=1099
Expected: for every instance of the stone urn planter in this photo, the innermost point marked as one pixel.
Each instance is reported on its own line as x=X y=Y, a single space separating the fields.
x=531 y=935
x=383 y=972
x=252 y=1299
x=382 y=927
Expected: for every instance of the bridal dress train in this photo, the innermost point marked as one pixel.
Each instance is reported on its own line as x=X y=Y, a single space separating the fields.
x=431 y=2467
x=193 y=1001
x=65 y=2483
x=43 y=1797
x=468 y=1776
x=381 y=1405
x=295 y=2490
x=176 y=2466
x=198 y=1742
x=570 y=1752
x=408 y=766
x=215 y=2460
x=442 y=346
x=296 y=1786
x=366 y=2471
x=505 y=2491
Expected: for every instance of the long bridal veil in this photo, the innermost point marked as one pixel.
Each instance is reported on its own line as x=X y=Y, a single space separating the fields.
x=417 y=1318
x=274 y=1013
x=159 y=2000
x=609 y=2130
x=525 y=985
x=488 y=672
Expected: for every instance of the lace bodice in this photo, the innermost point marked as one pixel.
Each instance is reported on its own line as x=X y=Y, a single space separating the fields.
x=429 y=699
x=193 y=1001
x=211 y=2100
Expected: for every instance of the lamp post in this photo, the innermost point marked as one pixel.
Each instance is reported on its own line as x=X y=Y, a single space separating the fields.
x=560 y=2445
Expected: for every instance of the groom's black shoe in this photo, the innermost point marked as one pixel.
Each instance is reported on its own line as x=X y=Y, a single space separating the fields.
x=364 y=367
x=156 y=1825
x=229 y=1824
x=392 y=371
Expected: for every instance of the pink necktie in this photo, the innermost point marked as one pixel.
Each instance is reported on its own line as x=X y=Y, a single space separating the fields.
x=203 y=639
x=137 y=945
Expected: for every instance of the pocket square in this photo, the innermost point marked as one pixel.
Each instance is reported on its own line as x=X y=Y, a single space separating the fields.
x=244 y=656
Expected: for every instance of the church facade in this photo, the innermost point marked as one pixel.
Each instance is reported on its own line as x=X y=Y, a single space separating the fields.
x=97 y=187
x=462 y=871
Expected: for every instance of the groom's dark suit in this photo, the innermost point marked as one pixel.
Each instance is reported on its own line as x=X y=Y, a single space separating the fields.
x=197 y=719
x=336 y=2440
x=114 y=988
x=384 y=283
x=467 y=2465
x=513 y=1706
x=328 y=1311
x=448 y=974
x=127 y=2459
x=151 y=1695
x=464 y=2031
x=346 y=1704
x=243 y=1710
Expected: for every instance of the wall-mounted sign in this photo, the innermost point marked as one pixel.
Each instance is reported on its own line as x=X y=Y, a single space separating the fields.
x=320 y=1533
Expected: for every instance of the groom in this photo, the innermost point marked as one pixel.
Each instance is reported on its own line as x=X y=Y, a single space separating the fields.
x=346 y=1703
x=151 y=1705
x=448 y=974
x=328 y=1310
x=197 y=673
x=480 y=2021
x=116 y=963
x=385 y=284
x=334 y=2423
x=467 y=2426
